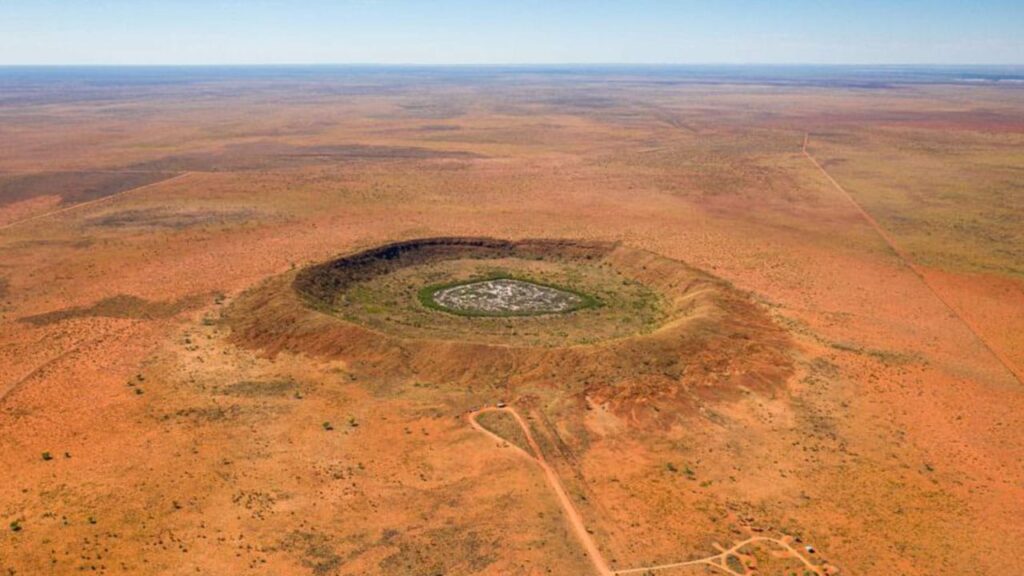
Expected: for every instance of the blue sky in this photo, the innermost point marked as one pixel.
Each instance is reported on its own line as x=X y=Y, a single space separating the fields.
x=497 y=32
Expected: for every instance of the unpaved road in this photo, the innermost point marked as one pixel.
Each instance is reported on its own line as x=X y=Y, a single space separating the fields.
x=907 y=261
x=717 y=561
x=720 y=560
x=91 y=202
x=571 y=513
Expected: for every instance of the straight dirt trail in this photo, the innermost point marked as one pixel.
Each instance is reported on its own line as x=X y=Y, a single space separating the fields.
x=571 y=513
x=91 y=202
x=717 y=561
x=907 y=261
x=8 y=389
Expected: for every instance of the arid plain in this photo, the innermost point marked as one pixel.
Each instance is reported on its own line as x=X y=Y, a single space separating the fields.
x=841 y=392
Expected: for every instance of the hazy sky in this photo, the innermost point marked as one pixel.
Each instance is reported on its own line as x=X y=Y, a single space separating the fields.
x=525 y=31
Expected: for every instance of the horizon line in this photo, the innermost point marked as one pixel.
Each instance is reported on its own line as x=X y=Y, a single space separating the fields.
x=514 y=64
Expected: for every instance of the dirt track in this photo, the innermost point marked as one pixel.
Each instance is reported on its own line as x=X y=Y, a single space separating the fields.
x=718 y=561
x=904 y=257
x=571 y=513
x=90 y=202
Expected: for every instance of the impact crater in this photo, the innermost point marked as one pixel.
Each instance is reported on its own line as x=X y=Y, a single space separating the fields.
x=602 y=322
x=523 y=293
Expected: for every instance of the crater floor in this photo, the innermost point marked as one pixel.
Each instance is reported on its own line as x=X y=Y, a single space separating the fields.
x=505 y=297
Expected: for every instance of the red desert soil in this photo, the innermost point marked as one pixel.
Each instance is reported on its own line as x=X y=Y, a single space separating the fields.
x=719 y=561
x=146 y=430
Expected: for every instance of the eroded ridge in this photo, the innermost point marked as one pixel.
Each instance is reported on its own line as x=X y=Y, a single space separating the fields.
x=324 y=282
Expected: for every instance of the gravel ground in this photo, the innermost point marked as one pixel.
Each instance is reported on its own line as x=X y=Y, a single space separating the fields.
x=507 y=295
